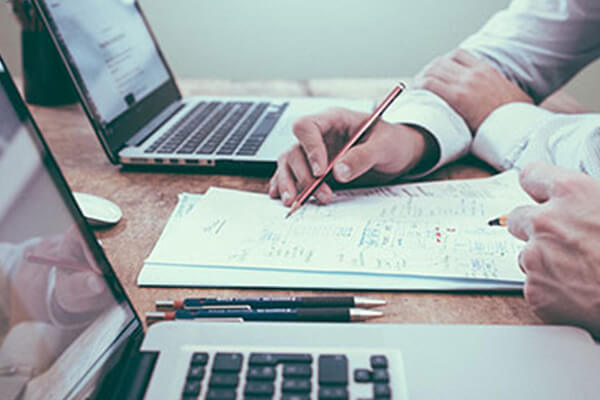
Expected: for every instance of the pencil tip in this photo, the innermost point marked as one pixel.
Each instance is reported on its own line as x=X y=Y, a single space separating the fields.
x=293 y=209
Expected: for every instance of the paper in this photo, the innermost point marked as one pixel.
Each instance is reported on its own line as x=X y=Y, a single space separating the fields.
x=434 y=229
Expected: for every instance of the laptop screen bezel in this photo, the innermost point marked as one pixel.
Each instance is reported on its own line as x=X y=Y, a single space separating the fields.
x=114 y=135
x=51 y=166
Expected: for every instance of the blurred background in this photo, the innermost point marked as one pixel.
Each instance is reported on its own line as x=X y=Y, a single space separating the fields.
x=264 y=39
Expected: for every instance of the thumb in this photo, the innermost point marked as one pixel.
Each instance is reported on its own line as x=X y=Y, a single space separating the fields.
x=355 y=162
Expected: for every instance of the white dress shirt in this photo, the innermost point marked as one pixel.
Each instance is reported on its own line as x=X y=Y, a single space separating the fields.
x=539 y=45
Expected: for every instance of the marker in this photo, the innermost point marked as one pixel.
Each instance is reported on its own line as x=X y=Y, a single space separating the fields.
x=270 y=302
x=269 y=314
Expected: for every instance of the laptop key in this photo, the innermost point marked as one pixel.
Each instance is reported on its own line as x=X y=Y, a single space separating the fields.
x=362 y=375
x=192 y=388
x=196 y=373
x=333 y=370
x=221 y=394
x=199 y=358
x=227 y=362
x=297 y=371
x=381 y=375
x=379 y=361
x=276 y=358
x=295 y=396
x=223 y=380
x=333 y=393
x=296 y=385
x=261 y=373
x=381 y=391
x=259 y=389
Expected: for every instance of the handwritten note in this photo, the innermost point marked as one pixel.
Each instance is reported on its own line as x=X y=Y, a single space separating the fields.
x=430 y=229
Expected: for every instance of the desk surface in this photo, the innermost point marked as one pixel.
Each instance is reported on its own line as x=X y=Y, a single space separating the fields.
x=147 y=200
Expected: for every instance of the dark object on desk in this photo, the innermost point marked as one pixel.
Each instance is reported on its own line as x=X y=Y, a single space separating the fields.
x=270 y=302
x=270 y=314
x=45 y=79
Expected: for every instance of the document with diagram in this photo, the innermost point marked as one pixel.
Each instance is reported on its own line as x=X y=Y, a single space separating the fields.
x=435 y=229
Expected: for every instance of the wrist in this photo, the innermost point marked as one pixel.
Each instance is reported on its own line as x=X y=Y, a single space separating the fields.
x=426 y=150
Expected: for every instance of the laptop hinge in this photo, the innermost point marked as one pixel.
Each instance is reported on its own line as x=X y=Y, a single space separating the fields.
x=155 y=124
x=128 y=377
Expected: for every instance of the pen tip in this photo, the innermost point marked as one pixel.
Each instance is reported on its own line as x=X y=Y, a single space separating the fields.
x=359 y=314
x=368 y=302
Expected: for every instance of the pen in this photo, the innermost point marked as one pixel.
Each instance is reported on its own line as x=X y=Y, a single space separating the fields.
x=271 y=302
x=51 y=262
x=270 y=314
x=362 y=130
x=500 y=221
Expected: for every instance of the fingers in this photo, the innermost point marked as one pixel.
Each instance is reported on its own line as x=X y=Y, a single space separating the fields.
x=311 y=129
x=292 y=176
x=519 y=222
x=79 y=292
x=543 y=180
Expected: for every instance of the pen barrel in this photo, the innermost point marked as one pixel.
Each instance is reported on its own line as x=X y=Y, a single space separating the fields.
x=301 y=314
x=272 y=302
x=326 y=301
x=323 y=314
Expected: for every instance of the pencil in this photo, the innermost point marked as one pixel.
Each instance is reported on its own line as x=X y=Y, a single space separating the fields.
x=500 y=221
x=361 y=131
x=52 y=262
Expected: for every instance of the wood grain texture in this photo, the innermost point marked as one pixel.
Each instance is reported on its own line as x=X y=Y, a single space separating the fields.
x=147 y=199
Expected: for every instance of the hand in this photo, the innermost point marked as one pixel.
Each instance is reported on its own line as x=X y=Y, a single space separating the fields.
x=388 y=151
x=472 y=87
x=74 y=292
x=562 y=256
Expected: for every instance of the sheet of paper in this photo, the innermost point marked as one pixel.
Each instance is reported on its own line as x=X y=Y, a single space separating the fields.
x=431 y=229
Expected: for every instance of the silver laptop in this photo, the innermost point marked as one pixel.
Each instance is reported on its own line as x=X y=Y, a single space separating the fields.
x=136 y=109
x=69 y=331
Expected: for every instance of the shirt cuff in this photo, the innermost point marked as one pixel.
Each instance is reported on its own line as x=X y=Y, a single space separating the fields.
x=428 y=111
x=506 y=132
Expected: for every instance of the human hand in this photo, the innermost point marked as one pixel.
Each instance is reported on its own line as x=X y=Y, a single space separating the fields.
x=471 y=86
x=562 y=256
x=74 y=292
x=388 y=151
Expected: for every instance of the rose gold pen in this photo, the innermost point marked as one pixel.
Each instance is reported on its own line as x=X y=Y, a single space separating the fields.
x=362 y=130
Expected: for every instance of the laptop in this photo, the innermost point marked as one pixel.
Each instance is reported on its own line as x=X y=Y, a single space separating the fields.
x=132 y=100
x=69 y=331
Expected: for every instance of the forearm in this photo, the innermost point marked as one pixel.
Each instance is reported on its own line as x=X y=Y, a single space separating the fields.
x=540 y=45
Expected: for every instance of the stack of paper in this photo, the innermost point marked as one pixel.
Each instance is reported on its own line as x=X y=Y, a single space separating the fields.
x=414 y=236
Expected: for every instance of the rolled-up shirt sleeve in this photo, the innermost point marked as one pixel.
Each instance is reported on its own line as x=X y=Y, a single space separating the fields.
x=540 y=44
x=519 y=133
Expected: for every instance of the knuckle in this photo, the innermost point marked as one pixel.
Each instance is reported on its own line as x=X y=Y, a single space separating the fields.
x=567 y=184
x=542 y=221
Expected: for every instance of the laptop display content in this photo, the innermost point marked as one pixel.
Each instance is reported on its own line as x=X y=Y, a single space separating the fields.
x=61 y=308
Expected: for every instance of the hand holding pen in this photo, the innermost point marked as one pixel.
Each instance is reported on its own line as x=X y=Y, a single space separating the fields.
x=385 y=152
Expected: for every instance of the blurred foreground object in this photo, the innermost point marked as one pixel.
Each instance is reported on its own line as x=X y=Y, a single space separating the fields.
x=46 y=81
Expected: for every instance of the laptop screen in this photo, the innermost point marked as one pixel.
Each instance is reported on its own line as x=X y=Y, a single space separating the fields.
x=61 y=307
x=114 y=60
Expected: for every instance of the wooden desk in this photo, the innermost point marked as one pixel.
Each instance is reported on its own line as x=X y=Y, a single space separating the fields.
x=147 y=200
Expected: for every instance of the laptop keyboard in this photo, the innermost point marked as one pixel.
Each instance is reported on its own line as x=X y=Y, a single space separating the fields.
x=287 y=376
x=223 y=128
